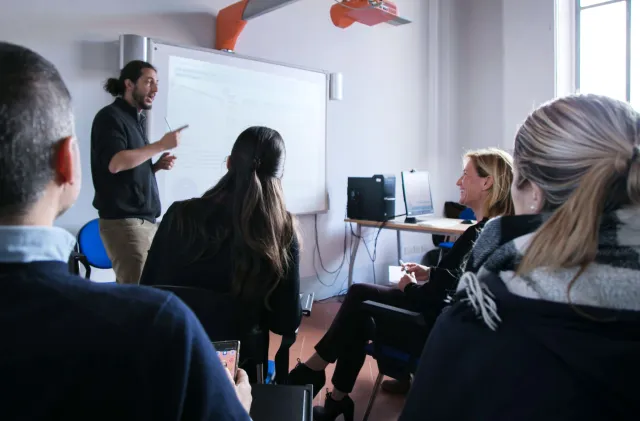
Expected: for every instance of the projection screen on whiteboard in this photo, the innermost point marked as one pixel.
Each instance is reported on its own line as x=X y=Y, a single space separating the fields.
x=219 y=95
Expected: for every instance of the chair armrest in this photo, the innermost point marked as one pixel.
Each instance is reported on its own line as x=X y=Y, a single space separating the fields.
x=306 y=303
x=388 y=340
x=393 y=313
x=282 y=357
x=77 y=258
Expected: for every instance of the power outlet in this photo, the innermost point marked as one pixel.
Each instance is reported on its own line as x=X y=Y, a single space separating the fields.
x=412 y=250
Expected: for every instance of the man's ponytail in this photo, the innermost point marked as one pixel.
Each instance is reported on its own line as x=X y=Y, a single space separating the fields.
x=114 y=87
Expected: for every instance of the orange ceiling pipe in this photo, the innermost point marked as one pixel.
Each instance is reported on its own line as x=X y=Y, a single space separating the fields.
x=229 y=25
x=340 y=12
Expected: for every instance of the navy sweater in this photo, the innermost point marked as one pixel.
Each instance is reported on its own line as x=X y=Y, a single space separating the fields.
x=71 y=349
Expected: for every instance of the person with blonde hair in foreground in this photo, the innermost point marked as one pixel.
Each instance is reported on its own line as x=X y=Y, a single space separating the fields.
x=546 y=321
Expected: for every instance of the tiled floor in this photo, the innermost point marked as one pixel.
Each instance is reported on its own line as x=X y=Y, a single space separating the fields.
x=386 y=407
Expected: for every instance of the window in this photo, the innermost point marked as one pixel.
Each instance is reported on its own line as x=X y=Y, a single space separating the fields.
x=608 y=48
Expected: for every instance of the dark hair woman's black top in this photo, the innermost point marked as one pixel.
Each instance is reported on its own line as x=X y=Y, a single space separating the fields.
x=171 y=263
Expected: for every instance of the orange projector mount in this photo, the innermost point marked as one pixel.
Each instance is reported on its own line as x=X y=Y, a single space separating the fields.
x=232 y=19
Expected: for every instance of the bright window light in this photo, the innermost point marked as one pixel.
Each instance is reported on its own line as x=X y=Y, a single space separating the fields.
x=587 y=3
x=604 y=62
x=635 y=55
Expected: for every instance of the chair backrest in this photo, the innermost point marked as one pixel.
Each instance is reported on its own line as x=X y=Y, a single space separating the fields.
x=467 y=213
x=91 y=246
x=224 y=318
x=397 y=351
x=451 y=210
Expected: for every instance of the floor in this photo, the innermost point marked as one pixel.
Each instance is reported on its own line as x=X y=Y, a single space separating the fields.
x=386 y=407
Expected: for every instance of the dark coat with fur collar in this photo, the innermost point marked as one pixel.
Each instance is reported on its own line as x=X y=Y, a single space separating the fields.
x=513 y=348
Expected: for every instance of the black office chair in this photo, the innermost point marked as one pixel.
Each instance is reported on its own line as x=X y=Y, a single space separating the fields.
x=225 y=318
x=89 y=250
x=397 y=352
x=444 y=243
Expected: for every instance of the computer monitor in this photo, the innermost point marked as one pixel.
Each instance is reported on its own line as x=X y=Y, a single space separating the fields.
x=417 y=194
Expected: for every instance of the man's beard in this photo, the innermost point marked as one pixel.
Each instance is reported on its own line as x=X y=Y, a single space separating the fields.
x=139 y=99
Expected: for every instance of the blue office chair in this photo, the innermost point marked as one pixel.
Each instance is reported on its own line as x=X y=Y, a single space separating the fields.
x=397 y=353
x=444 y=246
x=467 y=214
x=89 y=250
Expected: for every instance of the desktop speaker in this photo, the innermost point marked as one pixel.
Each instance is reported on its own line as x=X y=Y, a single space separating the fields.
x=371 y=198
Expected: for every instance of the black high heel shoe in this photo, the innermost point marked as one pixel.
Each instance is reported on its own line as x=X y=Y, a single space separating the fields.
x=332 y=409
x=302 y=375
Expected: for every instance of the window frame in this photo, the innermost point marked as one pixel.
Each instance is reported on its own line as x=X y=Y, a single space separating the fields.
x=578 y=10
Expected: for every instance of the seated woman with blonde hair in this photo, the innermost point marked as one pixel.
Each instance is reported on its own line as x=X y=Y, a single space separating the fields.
x=546 y=323
x=484 y=187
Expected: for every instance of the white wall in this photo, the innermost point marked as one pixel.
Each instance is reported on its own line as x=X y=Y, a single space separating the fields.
x=529 y=60
x=461 y=76
x=381 y=126
x=481 y=75
x=502 y=66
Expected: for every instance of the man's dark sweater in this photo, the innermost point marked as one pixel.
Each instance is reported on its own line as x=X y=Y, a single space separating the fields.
x=127 y=194
x=72 y=349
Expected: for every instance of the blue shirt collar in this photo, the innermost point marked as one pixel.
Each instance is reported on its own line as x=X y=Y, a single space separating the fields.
x=25 y=244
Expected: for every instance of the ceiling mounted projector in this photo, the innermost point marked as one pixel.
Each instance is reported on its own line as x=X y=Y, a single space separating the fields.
x=367 y=12
x=232 y=19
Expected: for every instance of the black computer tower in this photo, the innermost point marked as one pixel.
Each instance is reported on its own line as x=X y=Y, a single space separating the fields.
x=371 y=198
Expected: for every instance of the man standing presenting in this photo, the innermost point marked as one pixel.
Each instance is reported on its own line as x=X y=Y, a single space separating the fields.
x=126 y=191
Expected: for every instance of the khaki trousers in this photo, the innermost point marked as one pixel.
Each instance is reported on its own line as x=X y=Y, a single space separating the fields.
x=127 y=242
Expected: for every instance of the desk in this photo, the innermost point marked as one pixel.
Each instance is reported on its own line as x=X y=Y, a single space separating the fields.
x=438 y=226
x=281 y=402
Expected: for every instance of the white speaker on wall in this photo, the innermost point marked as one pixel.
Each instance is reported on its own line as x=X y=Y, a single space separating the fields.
x=133 y=47
x=335 y=86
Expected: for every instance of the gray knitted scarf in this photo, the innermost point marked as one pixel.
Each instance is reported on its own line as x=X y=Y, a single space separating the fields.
x=611 y=282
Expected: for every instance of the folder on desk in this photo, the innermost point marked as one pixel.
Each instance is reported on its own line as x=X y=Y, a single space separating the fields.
x=439 y=223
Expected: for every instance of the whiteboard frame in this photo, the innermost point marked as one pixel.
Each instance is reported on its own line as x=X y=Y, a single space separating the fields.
x=151 y=44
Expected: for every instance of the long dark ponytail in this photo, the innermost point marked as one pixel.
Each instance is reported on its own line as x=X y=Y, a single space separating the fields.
x=261 y=229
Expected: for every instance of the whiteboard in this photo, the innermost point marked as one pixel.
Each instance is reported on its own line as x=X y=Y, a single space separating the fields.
x=221 y=94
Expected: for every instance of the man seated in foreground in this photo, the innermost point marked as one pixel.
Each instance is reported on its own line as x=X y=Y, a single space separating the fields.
x=72 y=349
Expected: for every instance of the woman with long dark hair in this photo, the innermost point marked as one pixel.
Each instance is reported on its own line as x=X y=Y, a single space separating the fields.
x=238 y=237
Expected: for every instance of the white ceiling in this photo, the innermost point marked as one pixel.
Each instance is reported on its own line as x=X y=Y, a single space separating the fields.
x=107 y=8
